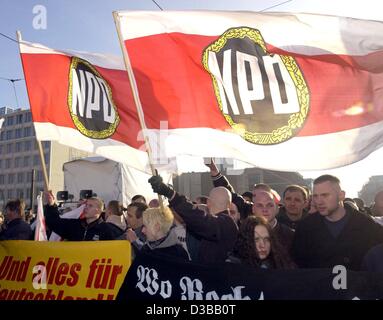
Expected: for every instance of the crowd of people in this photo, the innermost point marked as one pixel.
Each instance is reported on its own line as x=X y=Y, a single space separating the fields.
x=318 y=228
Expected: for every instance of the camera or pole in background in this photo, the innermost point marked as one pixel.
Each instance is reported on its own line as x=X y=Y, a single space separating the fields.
x=32 y=193
x=14 y=87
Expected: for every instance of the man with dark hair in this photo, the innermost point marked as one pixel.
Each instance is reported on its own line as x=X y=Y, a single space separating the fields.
x=135 y=222
x=90 y=227
x=295 y=201
x=139 y=198
x=247 y=196
x=201 y=200
x=335 y=235
x=15 y=227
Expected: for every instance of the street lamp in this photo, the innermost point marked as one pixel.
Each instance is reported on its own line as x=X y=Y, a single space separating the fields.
x=14 y=87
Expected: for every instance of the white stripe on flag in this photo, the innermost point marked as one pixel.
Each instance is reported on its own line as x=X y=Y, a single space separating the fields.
x=281 y=29
x=40 y=230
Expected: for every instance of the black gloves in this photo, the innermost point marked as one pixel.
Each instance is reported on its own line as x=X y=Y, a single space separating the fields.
x=161 y=188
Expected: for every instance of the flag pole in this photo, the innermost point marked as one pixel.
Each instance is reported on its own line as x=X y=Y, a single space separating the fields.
x=137 y=101
x=39 y=146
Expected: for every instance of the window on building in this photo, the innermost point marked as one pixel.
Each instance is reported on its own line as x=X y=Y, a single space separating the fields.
x=9 y=148
x=1 y=149
x=18 y=146
x=9 y=121
x=20 y=193
x=20 y=177
x=253 y=179
x=27 y=132
x=19 y=118
x=1 y=163
x=2 y=135
x=36 y=160
x=17 y=162
x=28 y=117
x=29 y=176
x=11 y=178
x=18 y=133
x=2 y=179
x=27 y=192
x=9 y=134
x=39 y=176
x=10 y=194
x=46 y=144
x=26 y=161
x=27 y=145
x=7 y=163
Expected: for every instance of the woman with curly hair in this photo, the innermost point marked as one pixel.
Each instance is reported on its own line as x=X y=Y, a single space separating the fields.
x=258 y=247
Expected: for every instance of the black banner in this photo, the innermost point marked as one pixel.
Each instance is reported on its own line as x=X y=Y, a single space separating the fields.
x=154 y=278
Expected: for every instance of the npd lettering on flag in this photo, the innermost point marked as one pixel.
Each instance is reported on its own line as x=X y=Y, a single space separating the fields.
x=92 y=108
x=84 y=100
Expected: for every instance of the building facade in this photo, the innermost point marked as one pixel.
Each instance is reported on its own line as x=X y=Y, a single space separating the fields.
x=370 y=189
x=195 y=184
x=20 y=165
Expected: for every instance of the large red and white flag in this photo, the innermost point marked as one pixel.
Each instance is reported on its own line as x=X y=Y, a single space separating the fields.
x=280 y=91
x=84 y=100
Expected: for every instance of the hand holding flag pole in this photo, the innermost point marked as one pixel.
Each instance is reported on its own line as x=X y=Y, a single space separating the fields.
x=133 y=86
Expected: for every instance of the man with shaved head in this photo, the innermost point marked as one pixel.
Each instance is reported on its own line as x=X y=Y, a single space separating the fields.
x=216 y=229
x=264 y=205
x=244 y=207
x=336 y=234
x=219 y=200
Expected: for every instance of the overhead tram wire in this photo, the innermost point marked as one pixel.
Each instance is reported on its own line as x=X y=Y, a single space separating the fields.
x=276 y=5
x=31 y=44
x=14 y=40
x=8 y=37
x=157 y=5
x=14 y=87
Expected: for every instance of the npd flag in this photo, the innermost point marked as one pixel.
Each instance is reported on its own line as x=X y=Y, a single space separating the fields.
x=84 y=100
x=280 y=91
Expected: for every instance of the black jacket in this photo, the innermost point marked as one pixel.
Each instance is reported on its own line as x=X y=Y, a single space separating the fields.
x=115 y=232
x=283 y=218
x=284 y=235
x=17 y=229
x=373 y=260
x=77 y=229
x=218 y=233
x=315 y=247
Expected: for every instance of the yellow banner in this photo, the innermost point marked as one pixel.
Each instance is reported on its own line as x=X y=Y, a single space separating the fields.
x=32 y=270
